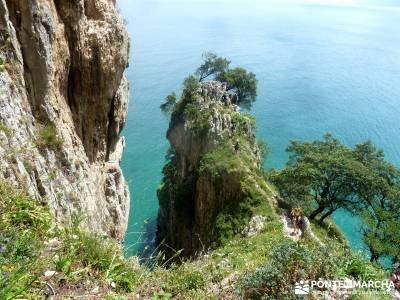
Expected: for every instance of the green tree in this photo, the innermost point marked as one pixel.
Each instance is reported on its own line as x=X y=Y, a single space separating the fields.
x=380 y=231
x=379 y=193
x=242 y=83
x=169 y=103
x=212 y=65
x=321 y=177
x=190 y=85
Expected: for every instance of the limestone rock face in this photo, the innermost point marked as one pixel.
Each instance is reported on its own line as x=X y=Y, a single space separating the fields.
x=213 y=147
x=63 y=104
x=184 y=136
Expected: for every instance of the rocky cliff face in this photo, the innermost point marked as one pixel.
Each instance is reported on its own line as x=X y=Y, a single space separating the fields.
x=63 y=104
x=213 y=151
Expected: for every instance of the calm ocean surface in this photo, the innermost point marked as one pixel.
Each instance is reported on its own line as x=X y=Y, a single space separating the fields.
x=320 y=68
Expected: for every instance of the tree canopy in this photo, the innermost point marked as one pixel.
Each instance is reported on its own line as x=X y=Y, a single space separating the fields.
x=212 y=65
x=169 y=103
x=379 y=195
x=242 y=83
x=320 y=177
x=324 y=175
x=239 y=81
x=190 y=84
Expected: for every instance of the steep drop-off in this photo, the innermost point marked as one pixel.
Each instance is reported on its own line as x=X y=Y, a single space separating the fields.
x=63 y=104
x=213 y=181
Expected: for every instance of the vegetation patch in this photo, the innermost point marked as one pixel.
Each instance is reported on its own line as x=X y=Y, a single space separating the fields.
x=2 y=64
x=38 y=258
x=324 y=175
x=24 y=224
x=290 y=262
x=78 y=263
x=7 y=131
x=221 y=159
x=48 y=138
x=28 y=166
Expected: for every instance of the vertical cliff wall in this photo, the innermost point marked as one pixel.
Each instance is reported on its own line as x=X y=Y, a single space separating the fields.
x=63 y=104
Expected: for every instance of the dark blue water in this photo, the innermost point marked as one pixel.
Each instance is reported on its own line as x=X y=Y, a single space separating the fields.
x=320 y=68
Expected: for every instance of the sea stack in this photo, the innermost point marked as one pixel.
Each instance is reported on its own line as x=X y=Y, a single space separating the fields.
x=213 y=173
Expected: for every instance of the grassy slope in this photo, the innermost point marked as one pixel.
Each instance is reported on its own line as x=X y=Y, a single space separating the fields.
x=85 y=261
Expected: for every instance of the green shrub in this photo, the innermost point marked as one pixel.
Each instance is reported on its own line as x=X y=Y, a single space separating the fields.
x=190 y=85
x=169 y=103
x=289 y=263
x=21 y=212
x=244 y=123
x=184 y=277
x=358 y=267
x=48 y=138
x=7 y=131
x=199 y=120
x=161 y=295
x=65 y=162
x=231 y=221
x=193 y=281
x=220 y=159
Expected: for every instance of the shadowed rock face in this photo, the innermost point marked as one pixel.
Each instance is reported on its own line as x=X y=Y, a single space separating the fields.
x=64 y=67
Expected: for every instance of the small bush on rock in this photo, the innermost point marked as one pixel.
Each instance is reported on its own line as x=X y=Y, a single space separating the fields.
x=48 y=138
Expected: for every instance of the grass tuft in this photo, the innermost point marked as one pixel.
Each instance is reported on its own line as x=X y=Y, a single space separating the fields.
x=48 y=138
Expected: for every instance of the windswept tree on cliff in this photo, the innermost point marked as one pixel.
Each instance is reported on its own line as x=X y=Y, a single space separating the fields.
x=242 y=83
x=239 y=81
x=212 y=65
x=169 y=103
x=320 y=176
x=323 y=176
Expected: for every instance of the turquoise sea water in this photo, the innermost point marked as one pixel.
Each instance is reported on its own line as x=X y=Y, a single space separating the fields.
x=321 y=67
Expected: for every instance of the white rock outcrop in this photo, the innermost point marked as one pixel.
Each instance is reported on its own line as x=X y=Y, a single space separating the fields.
x=255 y=225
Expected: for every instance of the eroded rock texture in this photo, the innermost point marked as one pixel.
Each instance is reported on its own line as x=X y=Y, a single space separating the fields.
x=63 y=104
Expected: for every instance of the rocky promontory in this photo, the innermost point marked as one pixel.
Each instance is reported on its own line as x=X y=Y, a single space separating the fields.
x=210 y=184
